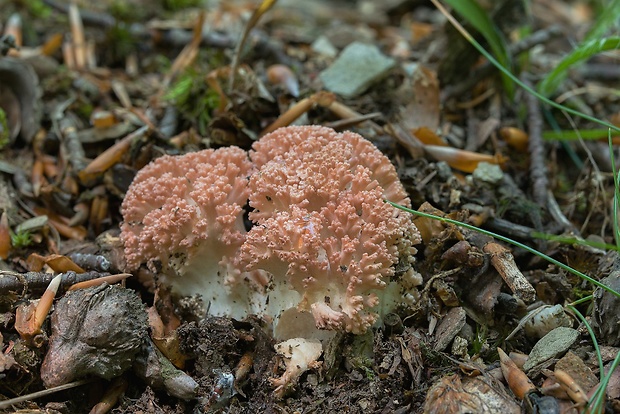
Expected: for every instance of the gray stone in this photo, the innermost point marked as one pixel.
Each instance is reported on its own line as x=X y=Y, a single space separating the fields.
x=358 y=66
x=489 y=173
x=450 y=326
x=323 y=46
x=552 y=345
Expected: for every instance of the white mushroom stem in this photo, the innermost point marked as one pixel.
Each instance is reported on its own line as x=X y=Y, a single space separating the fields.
x=300 y=355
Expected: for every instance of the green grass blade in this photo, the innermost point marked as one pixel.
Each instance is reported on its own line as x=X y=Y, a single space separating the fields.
x=614 y=210
x=598 y=399
x=571 y=135
x=607 y=18
x=584 y=51
x=583 y=300
x=591 y=333
x=471 y=11
x=574 y=241
x=516 y=80
x=513 y=242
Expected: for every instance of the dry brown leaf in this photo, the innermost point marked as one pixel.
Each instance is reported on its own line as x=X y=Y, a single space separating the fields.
x=424 y=108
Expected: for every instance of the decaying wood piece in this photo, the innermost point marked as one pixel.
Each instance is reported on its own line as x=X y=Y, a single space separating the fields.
x=37 y=281
x=503 y=261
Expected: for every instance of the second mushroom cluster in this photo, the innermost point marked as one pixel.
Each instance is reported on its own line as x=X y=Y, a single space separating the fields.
x=321 y=252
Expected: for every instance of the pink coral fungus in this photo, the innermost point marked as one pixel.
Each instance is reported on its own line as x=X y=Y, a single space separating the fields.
x=323 y=230
x=185 y=213
x=324 y=242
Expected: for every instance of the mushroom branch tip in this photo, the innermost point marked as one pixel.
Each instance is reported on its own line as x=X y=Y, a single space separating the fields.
x=323 y=240
x=185 y=214
x=323 y=229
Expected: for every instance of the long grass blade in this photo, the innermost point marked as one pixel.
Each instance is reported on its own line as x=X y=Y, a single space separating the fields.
x=614 y=209
x=592 y=335
x=513 y=242
x=607 y=18
x=498 y=65
x=570 y=135
x=471 y=11
x=574 y=241
x=584 y=51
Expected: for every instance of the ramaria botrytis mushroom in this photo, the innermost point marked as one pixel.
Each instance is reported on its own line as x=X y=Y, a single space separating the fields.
x=323 y=230
x=323 y=249
x=185 y=213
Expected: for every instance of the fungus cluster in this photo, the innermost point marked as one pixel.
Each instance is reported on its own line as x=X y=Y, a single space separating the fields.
x=183 y=217
x=323 y=231
x=323 y=241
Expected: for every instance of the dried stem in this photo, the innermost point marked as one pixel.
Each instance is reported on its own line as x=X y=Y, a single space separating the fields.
x=503 y=261
x=538 y=168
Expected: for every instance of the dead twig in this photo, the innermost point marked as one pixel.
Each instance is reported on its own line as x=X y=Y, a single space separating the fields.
x=37 y=281
x=538 y=168
x=503 y=261
x=262 y=9
x=9 y=403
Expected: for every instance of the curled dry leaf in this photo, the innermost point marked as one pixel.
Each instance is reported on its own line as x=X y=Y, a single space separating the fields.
x=29 y=317
x=572 y=388
x=19 y=98
x=466 y=161
x=56 y=262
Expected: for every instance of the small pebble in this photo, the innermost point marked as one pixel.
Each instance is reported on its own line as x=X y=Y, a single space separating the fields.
x=553 y=344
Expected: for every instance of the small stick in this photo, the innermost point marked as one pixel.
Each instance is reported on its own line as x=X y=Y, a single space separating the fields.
x=322 y=98
x=71 y=142
x=110 y=279
x=77 y=33
x=110 y=398
x=348 y=122
x=538 y=168
x=37 y=281
x=503 y=261
x=9 y=403
x=188 y=54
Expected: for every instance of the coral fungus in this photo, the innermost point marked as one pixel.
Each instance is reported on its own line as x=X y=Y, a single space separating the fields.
x=185 y=213
x=323 y=241
x=323 y=231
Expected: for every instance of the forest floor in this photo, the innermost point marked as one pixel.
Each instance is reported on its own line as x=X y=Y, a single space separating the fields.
x=90 y=98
